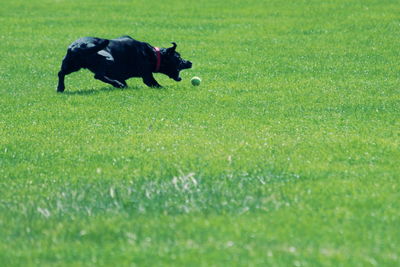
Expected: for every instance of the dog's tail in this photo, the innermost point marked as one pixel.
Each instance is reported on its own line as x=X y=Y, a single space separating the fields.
x=87 y=45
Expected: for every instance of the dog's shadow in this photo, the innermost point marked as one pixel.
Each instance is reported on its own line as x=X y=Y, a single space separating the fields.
x=85 y=92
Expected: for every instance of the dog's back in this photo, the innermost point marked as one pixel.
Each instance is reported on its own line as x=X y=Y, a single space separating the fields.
x=87 y=45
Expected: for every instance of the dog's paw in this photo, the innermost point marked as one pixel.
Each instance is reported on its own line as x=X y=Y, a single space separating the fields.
x=60 y=89
x=120 y=85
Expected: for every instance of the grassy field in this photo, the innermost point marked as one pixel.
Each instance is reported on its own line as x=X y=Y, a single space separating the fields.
x=286 y=155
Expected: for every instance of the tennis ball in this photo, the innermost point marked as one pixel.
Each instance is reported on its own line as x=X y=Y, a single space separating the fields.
x=195 y=81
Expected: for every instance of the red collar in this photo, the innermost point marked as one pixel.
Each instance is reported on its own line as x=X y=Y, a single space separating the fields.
x=158 y=54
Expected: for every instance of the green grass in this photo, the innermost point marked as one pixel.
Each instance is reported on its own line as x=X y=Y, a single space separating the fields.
x=286 y=155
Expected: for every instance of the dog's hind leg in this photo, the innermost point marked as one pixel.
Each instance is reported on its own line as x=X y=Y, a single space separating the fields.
x=115 y=83
x=124 y=83
x=67 y=67
x=61 y=85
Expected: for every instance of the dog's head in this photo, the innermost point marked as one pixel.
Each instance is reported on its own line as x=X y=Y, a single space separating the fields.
x=172 y=63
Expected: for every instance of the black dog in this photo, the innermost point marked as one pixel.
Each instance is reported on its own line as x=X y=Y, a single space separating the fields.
x=114 y=61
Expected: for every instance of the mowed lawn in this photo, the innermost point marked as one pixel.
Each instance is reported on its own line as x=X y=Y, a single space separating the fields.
x=287 y=154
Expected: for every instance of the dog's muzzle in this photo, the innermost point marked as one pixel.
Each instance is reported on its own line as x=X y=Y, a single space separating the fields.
x=184 y=65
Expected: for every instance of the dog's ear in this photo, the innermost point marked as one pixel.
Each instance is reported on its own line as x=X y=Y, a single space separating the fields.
x=172 y=49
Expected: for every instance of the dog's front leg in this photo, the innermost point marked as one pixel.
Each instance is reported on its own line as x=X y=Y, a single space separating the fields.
x=150 y=81
x=114 y=83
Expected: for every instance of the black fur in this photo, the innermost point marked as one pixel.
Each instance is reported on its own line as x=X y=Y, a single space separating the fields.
x=114 y=61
